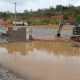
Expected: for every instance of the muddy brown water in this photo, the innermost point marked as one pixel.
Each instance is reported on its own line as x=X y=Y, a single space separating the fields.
x=42 y=60
x=50 y=32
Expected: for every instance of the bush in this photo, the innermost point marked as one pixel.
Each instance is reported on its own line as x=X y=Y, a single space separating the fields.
x=54 y=21
x=38 y=22
x=77 y=18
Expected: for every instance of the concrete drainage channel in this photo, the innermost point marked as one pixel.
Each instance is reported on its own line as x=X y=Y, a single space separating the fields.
x=23 y=34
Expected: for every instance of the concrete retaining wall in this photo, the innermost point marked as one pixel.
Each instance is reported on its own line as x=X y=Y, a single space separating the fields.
x=16 y=34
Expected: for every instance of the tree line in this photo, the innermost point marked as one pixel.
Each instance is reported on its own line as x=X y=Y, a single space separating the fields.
x=44 y=16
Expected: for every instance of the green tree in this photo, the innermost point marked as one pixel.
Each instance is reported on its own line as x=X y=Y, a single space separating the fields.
x=77 y=17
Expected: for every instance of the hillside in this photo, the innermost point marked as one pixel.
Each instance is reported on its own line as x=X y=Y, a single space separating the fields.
x=43 y=16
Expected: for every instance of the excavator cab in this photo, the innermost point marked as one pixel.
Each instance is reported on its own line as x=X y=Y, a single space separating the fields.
x=76 y=34
x=76 y=31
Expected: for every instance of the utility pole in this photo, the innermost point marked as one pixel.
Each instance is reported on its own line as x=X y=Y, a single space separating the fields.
x=15 y=12
x=15 y=24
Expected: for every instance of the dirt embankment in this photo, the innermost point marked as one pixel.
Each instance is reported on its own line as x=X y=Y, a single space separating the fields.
x=67 y=27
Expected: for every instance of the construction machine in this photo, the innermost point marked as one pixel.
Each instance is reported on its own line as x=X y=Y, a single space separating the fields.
x=76 y=29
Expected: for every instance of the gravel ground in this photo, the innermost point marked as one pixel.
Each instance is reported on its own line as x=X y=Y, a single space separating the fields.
x=5 y=74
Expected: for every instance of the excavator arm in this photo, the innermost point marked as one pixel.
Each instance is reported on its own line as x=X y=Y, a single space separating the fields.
x=64 y=22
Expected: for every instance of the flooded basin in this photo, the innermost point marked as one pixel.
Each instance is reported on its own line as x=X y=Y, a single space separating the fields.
x=42 y=60
x=48 y=34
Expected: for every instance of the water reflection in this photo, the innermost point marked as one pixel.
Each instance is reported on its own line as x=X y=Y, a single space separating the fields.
x=42 y=60
x=50 y=47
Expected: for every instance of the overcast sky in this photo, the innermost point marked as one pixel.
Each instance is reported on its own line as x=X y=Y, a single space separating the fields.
x=7 y=5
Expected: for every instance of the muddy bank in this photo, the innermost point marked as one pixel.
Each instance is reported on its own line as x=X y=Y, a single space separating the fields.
x=6 y=74
x=68 y=27
x=54 y=39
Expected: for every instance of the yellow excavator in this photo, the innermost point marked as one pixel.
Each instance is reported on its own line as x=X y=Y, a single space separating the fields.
x=76 y=29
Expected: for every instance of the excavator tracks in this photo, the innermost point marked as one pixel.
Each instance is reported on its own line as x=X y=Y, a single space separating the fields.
x=75 y=38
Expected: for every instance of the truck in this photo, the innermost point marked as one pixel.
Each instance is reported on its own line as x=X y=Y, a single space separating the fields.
x=21 y=23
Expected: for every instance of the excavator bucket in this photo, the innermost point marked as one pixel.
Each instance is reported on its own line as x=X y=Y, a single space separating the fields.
x=58 y=34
